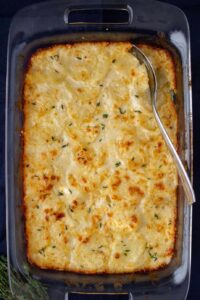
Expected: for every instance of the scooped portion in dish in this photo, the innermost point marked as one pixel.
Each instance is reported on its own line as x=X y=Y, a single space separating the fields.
x=99 y=183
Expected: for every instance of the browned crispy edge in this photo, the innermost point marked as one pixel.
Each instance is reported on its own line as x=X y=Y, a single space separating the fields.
x=38 y=51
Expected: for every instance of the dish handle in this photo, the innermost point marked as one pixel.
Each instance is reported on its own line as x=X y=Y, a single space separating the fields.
x=55 y=294
x=104 y=14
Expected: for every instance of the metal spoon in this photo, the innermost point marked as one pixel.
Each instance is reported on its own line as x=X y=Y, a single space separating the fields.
x=187 y=186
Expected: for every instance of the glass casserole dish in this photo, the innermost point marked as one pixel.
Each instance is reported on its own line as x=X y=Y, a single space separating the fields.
x=50 y=23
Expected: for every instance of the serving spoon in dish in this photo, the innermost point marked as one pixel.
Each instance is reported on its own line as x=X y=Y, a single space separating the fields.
x=187 y=186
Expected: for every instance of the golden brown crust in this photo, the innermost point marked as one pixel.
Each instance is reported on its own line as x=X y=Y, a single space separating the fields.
x=106 y=272
x=115 y=185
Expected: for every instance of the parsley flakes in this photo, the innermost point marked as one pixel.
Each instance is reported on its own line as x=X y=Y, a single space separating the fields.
x=105 y=116
x=103 y=126
x=63 y=146
x=153 y=255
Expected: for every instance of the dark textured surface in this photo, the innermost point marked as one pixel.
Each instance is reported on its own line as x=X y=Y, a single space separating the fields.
x=192 y=11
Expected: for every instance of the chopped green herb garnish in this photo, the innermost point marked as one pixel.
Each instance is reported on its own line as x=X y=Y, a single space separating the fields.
x=113 y=61
x=98 y=103
x=89 y=210
x=136 y=96
x=53 y=106
x=133 y=158
x=100 y=247
x=33 y=103
x=55 y=57
x=126 y=252
x=100 y=140
x=53 y=246
x=39 y=229
x=60 y=193
x=156 y=216
x=100 y=225
x=105 y=186
x=71 y=209
x=160 y=166
x=62 y=106
x=70 y=124
x=78 y=57
x=53 y=138
x=138 y=111
x=173 y=95
x=70 y=191
x=151 y=254
x=37 y=206
x=103 y=126
x=63 y=146
x=144 y=165
x=41 y=251
x=105 y=116
x=118 y=164
x=122 y=111
x=101 y=85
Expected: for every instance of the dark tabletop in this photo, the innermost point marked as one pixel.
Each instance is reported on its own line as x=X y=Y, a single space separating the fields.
x=192 y=10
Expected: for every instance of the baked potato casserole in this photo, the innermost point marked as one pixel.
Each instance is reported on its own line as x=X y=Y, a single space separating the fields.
x=99 y=183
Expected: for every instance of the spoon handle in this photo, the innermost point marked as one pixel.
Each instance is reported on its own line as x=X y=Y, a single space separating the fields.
x=187 y=186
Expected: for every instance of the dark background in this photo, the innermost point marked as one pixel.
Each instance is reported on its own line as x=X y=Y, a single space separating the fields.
x=192 y=10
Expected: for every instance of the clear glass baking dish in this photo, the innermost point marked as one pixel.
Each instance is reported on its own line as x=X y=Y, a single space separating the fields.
x=106 y=20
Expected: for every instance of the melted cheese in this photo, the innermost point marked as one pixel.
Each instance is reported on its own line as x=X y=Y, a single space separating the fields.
x=99 y=183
